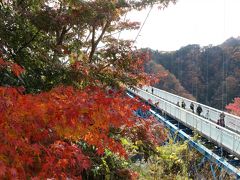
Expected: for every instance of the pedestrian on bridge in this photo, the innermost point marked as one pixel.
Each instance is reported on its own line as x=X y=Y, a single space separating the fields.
x=199 y=110
x=192 y=107
x=152 y=90
x=207 y=116
x=183 y=104
x=221 y=121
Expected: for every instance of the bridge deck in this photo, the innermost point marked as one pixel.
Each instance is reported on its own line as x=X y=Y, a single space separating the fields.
x=232 y=122
x=221 y=136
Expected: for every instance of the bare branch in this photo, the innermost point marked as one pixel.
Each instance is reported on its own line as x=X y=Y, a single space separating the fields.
x=94 y=44
x=27 y=43
x=61 y=37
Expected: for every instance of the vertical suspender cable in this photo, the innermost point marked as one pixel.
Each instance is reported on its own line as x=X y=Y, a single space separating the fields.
x=225 y=60
x=143 y=24
x=224 y=83
x=207 y=79
x=196 y=78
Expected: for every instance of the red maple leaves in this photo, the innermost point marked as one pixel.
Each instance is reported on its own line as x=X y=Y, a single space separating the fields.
x=15 y=68
x=234 y=107
x=37 y=132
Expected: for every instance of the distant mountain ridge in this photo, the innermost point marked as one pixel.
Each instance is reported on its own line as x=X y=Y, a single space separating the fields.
x=231 y=42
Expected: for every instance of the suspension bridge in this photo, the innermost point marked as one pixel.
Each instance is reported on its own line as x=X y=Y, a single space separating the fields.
x=220 y=146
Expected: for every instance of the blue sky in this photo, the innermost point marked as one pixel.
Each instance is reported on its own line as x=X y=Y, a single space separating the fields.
x=201 y=22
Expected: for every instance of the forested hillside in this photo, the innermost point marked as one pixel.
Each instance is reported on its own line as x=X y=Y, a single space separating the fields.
x=168 y=81
x=211 y=74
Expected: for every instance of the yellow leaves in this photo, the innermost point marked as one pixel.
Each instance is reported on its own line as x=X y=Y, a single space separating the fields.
x=80 y=56
x=139 y=142
x=124 y=141
x=72 y=58
x=172 y=152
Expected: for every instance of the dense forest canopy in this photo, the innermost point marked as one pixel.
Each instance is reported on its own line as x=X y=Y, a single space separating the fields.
x=211 y=74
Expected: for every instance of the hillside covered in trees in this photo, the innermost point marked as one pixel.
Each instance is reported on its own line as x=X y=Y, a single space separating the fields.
x=211 y=74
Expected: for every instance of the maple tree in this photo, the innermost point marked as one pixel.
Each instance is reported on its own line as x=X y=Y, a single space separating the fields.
x=45 y=129
x=62 y=105
x=46 y=37
x=39 y=132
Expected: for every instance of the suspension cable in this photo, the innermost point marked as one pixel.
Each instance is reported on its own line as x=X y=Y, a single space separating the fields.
x=143 y=24
x=207 y=99
x=224 y=83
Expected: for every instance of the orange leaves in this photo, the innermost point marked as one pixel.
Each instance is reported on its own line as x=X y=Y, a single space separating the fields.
x=2 y=63
x=15 y=68
x=234 y=107
x=63 y=157
x=37 y=132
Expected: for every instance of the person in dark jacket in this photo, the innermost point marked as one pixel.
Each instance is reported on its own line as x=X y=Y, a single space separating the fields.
x=199 y=110
x=221 y=120
x=183 y=105
x=192 y=107
x=152 y=90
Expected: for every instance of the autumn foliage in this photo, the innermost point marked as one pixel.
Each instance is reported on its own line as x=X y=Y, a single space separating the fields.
x=62 y=102
x=234 y=107
x=15 y=68
x=39 y=132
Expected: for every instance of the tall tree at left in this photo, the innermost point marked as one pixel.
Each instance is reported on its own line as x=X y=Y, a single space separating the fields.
x=61 y=74
x=70 y=42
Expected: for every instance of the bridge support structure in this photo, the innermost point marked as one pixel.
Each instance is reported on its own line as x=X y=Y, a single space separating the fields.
x=215 y=161
x=208 y=155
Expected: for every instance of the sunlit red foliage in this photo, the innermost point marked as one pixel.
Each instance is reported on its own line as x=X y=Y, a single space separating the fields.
x=149 y=131
x=37 y=132
x=15 y=68
x=234 y=107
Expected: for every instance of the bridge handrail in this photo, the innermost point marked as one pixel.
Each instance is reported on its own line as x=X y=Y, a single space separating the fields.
x=203 y=105
x=228 y=138
x=206 y=120
x=234 y=118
